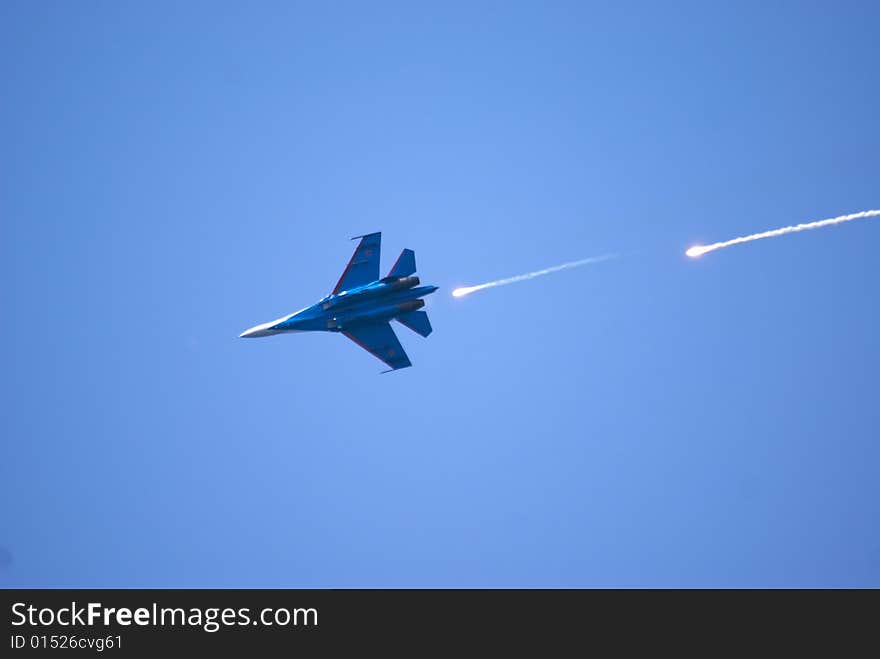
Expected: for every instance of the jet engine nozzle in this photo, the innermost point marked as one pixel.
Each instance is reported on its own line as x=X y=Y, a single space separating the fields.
x=404 y=283
x=410 y=305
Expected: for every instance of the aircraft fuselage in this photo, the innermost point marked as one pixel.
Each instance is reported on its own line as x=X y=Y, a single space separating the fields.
x=379 y=301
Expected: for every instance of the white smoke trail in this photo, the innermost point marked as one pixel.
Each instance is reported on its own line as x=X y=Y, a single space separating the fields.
x=699 y=250
x=465 y=290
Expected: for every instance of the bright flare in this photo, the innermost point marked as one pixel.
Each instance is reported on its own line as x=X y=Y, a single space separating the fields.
x=466 y=290
x=699 y=250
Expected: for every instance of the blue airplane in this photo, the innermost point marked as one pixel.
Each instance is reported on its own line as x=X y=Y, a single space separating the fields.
x=362 y=305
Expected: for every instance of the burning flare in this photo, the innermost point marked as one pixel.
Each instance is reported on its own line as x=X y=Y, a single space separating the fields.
x=699 y=250
x=466 y=290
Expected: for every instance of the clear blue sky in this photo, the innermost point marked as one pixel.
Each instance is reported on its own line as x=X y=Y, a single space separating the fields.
x=173 y=173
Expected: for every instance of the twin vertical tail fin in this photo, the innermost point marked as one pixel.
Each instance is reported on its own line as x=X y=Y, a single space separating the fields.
x=417 y=321
x=405 y=264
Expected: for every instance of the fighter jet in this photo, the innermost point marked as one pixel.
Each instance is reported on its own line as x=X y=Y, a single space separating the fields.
x=362 y=305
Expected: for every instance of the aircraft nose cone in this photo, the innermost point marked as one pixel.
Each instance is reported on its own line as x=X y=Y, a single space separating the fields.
x=258 y=331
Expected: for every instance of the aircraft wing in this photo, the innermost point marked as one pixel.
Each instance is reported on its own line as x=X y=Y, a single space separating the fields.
x=380 y=340
x=363 y=267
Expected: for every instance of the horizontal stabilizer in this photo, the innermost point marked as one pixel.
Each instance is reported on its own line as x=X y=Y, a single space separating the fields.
x=405 y=264
x=417 y=321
